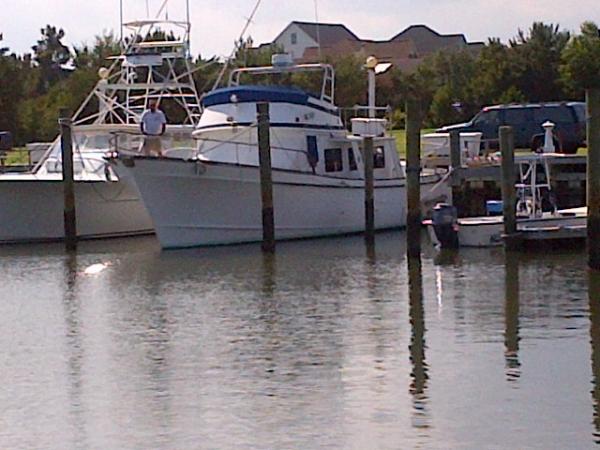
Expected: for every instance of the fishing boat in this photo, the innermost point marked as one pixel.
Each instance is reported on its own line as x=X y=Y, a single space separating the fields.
x=211 y=195
x=538 y=219
x=107 y=202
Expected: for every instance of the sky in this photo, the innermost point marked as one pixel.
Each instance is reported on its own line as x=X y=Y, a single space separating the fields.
x=216 y=24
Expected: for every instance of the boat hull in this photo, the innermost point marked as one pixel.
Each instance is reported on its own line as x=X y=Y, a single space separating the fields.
x=488 y=231
x=194 y=203
x=32 y=210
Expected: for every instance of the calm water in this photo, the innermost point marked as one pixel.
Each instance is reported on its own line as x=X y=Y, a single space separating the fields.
x=324 y=345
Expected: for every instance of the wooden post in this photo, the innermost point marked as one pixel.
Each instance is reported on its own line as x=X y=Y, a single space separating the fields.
x=266 y=179
x=413 y=171
x=455 y=157
x=369 y=187
x=455 y=166
x=509 y=198
x=593 y=177
x=66 y=145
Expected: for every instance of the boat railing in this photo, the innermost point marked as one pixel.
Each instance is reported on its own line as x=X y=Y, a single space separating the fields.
x=174 y=143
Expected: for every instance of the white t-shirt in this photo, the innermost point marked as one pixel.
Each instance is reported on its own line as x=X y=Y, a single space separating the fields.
x=153 y=121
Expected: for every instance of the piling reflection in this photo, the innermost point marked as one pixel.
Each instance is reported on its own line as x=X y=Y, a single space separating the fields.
x=75 y=356
x=418 y=386
x=594 y=305
x=511 y=310
x=268 y=274
x=447 y=257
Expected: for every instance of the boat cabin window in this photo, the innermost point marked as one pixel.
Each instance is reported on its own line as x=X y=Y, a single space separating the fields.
x=351 y=159
x=379 y=158
x=333 y=160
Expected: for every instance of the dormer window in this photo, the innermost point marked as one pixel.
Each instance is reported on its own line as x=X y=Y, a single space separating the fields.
x=294 y=38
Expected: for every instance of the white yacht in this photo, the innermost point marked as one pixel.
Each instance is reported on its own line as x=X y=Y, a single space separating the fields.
x=107 y=203
x=212 y=195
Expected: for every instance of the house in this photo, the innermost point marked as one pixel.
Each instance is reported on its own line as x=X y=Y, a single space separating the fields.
x=428 y=41
x=402 y=54
x=311 y=42
x=298 y=36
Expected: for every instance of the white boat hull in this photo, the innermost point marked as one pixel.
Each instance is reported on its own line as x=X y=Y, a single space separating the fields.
x=32 y=210
x=196 y=203
x=487 y=231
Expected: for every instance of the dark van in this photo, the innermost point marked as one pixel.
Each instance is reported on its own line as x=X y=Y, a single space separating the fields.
x=526 y=121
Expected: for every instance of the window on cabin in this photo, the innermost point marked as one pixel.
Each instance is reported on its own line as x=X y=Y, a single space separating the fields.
x=351 y=159
x=379 y=158
x=333 y=160
x=294 y=38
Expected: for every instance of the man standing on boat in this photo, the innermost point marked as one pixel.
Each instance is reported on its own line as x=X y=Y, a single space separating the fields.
x=153 y=126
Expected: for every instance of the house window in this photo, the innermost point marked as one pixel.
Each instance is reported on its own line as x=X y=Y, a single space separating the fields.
x=294 y=38
x=379 y=158
x=333 y=160
x=351 y=159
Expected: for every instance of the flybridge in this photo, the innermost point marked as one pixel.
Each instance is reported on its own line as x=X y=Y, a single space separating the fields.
x=279 y=67
x=147 y=69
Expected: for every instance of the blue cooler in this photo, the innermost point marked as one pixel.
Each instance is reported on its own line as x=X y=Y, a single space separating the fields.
x=493 y=207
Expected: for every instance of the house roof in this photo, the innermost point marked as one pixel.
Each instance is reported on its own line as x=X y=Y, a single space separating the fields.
x=325 y=33
x=430 y=41
x=402 y=54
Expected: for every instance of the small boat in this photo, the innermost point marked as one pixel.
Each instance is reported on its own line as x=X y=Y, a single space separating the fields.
x=211 y=196
x=537 y=218
x=107 y=202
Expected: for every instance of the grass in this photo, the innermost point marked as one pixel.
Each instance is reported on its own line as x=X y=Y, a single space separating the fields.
x=400 y=136
x=17 y=157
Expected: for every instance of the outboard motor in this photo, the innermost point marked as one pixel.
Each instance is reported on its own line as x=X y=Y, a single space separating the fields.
x=445 y=224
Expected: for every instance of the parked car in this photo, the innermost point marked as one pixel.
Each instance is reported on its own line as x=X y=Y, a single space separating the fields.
x=527 y=120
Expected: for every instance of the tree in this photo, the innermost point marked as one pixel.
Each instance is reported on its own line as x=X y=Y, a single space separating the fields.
x=94 y=57
x=50 y=55
x=493 y=81
x=454 y=99
x=580 y=67
x=535 y=61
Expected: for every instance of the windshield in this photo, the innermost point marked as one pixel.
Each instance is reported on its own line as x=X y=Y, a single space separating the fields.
x=102 y=142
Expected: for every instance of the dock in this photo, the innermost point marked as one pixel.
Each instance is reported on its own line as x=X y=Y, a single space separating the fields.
x=481 y=181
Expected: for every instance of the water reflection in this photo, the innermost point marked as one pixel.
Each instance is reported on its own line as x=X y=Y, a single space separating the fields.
x=418 y=386
x=594 y=302
x=316 y=346
x=511 y=308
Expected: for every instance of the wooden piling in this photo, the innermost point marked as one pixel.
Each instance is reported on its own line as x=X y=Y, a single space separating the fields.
x=413 y=171
x=455 y=161
x=369 y=188
x=509 y=197
x=266 y=178
x=69 y=213
x=593 y=177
